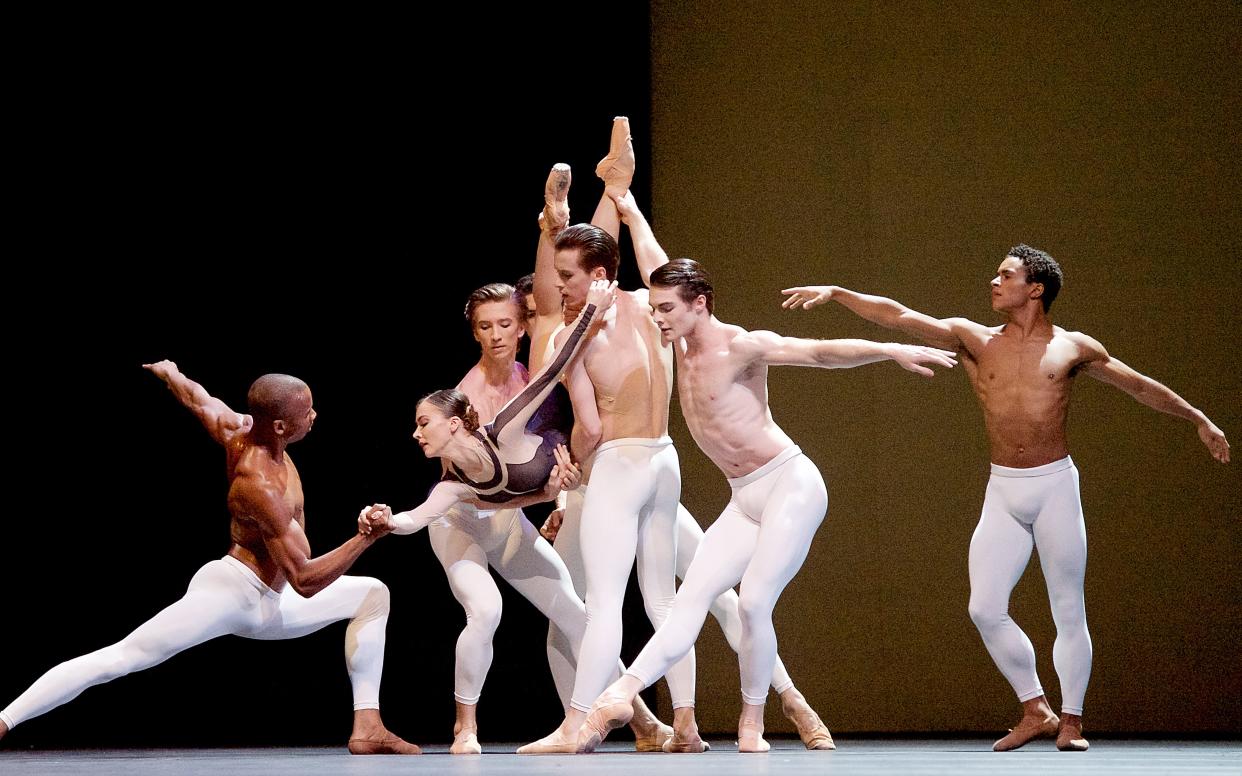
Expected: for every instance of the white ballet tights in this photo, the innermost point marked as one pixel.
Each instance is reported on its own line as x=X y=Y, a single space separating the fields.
x=630 y=510
x=226 y=597
x=761 y=540
x=1024 y=509
x=466 y=545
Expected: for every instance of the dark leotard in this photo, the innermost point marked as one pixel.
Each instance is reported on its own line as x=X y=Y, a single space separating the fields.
x=543 y=409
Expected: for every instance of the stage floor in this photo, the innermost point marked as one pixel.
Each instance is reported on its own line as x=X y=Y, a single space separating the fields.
x=867 y=756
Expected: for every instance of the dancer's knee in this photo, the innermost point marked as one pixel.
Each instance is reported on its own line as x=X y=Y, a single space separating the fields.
x=603 y=608
x=1068 y=609
x=376 y=601
x=985 y=615
x=755 y=611
x=569 y=620
x=125 y=658
x=484 y=614
x=658 y=609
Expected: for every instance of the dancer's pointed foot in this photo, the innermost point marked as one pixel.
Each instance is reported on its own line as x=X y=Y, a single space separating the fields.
x=608 y=713
x=1028 y=729
x=1069 y=736
x=555 y=215
x=811 y=729
x=617 y=168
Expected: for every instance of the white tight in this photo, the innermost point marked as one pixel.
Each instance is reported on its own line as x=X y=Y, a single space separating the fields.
x=1023 y=509
x=466 y=545
x=689 y=537
x=630 y=510
x=562 y=647
x=761 y=540
x=225 y=597
x=725 y=607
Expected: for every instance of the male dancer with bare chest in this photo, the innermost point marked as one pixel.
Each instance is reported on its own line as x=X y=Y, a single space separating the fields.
x=1022 y=372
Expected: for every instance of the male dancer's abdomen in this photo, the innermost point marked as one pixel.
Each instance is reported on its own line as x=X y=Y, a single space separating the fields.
x=1026 y=426
x=1023 y=441
x=737 y=455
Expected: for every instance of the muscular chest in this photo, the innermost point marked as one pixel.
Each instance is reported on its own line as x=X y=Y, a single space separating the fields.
x=293 y=492
x=708 y=384
x=1024 y=371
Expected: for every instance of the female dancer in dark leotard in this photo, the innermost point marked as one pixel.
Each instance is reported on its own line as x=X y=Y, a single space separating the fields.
x=467 y=541
x=508 y=461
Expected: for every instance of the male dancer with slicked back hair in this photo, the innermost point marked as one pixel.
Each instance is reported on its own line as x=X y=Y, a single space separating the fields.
x=563 y=525
x=620 y=390
x=779 y=498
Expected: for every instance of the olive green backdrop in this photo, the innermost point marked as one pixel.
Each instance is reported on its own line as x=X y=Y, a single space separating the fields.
x=901 y=149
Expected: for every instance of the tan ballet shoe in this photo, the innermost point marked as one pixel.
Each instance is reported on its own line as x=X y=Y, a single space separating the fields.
x=389 y=745
x=606 y=715
x=1027 y=730
x=617 y=168
x=555 y=215
x=1069 y=736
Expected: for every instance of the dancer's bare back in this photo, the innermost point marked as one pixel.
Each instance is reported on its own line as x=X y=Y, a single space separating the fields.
x=626 y=371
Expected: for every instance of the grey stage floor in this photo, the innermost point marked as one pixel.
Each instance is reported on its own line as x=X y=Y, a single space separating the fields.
x=909 y=756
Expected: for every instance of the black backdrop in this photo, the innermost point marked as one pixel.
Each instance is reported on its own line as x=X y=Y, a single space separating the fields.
x=311 y=196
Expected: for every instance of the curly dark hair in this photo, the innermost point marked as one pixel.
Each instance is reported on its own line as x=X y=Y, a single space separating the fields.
x=1040 y=268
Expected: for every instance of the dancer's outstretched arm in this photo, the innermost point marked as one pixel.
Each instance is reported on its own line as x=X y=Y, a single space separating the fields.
x=772 y=349
x=1103 y=367
x=952 y=333
x=220 y=421
x=647 y=249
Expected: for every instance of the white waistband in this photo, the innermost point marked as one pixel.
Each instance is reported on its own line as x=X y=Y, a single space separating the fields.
x=1034 y=471
x=777 y=460
x=250 y=576
x=663 y=441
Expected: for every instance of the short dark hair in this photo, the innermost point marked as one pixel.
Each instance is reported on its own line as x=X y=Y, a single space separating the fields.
x=1040 y=268
x=689 y=278
x=598 y=248
x=454 y=404
x=272 y=396
x=525 y=284
x=492 y=292
x=523 y=288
